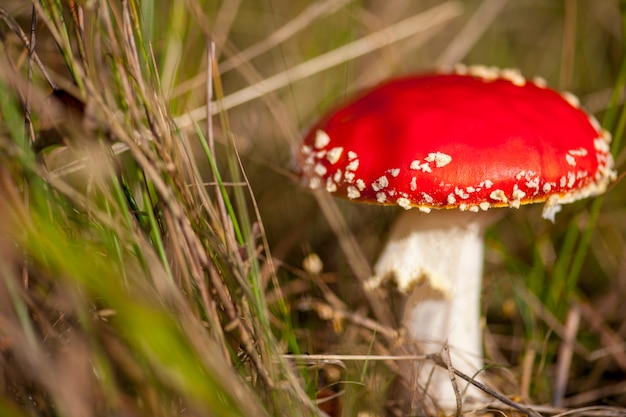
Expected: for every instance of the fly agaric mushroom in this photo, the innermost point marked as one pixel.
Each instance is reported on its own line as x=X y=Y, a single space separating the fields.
x=469 y=139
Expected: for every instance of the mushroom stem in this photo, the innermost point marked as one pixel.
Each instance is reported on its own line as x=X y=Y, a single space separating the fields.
x=437 y=261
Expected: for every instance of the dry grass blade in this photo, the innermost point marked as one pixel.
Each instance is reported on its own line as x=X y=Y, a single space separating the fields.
x=608 y=337
x=469 y=35
x=411 y=26
x=291 y=28
x=164 y=168
x=535 y=304
x=565 y=356
x=17 y=29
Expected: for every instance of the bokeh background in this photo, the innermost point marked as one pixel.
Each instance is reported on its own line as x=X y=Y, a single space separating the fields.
x=288 y=62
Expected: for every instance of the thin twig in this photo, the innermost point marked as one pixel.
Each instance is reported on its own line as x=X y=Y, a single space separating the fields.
x=455 y=386
x=330 y=358
x=325 y=310
x=437 y=359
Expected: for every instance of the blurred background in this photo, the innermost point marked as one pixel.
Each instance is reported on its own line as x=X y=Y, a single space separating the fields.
x=284 y=63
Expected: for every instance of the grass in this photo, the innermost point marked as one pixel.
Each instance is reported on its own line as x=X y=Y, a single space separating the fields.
x=163 y=259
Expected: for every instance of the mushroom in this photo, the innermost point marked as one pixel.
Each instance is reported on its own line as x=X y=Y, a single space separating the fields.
x=470 y=138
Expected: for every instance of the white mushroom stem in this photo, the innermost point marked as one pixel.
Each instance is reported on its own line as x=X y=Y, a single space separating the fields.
x=437 y=259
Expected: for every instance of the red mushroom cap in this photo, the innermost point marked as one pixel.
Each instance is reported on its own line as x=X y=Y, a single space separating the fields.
x=472 y=139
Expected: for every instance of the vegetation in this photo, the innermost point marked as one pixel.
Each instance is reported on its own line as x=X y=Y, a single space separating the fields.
x=158 y=256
